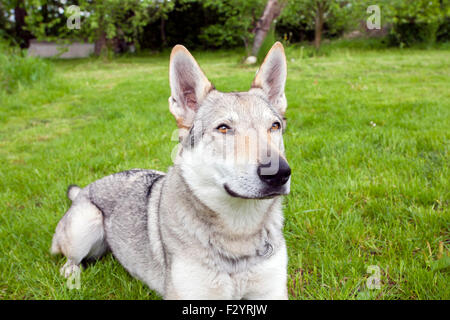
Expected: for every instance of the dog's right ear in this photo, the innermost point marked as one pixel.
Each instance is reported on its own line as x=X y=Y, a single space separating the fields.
x=271 y=77
x=188 y=84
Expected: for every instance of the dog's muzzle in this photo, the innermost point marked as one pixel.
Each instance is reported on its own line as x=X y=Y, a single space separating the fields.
x=274 y=177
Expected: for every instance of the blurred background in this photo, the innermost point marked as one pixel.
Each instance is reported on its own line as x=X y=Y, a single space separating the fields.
x=142 y=25
x=110 y=28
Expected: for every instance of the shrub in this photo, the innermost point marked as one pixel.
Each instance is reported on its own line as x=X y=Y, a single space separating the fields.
x=235 y=21
x=16 y=69
x=412 y=34
x=415 y=23
x=443 y=32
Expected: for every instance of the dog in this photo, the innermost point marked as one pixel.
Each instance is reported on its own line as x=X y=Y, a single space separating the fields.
x=211 y=227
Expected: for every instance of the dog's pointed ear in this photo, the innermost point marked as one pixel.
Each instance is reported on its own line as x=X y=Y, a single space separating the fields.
x=188 y=84
x=271 y=77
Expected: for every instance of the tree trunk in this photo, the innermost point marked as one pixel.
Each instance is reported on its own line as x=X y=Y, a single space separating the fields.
x=271 y=12
x=163 y=32
x=19 y=17
x=100 y=43
x=318 y=29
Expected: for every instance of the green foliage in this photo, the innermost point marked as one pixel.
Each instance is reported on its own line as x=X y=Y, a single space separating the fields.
x=407 y=34
x=206 y=24
x=18 y=70
x=443 y=32
x=113 y=19
x=123 y=19
x=6 y=25
x=415 y=22
x=410 y=22
x=298 y=17
x=219 y=23
x=226 y=23
x=183 y=24
x=236 y=20
x=46 y=20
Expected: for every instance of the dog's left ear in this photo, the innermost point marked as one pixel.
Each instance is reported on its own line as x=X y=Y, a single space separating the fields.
x=271 y=77
x=188 y=84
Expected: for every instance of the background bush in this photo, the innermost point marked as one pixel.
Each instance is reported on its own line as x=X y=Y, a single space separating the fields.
x=209 y=24
x=443 y=32
x=412 y=33
x=418 y=22
x=16 y=69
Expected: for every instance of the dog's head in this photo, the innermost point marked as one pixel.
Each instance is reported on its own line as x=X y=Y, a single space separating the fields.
x=231 y=143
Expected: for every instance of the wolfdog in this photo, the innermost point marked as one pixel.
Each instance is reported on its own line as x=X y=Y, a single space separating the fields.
x=211 y=227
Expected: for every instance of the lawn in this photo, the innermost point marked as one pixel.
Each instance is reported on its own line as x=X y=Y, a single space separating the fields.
x=367 y=140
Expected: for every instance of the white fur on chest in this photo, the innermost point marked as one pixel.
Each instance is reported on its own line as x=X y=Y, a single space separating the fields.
x=193 y=280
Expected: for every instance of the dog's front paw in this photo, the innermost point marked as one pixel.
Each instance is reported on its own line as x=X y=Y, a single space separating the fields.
x=69 y=269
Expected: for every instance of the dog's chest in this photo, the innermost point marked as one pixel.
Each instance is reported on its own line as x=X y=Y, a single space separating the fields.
x=237 y=276
x=240 y=284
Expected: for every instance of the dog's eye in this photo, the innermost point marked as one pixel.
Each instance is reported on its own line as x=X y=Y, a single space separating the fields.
x=275 y=126
x=223 y=128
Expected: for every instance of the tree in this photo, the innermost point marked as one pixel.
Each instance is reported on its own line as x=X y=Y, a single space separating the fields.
x=236 y=20
x=320 y=8
x=115 y=24
x=13 y=15
x=20 y=14
x=109 y=23
x=414 y=22
x=46 y=20
x=335 y=14
x=271 y=12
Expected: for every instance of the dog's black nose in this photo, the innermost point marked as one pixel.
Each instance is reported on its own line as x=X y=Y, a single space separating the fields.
x=275 y=177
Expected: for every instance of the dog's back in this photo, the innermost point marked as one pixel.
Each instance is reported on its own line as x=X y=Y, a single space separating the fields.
x=124 y=199
x=116 y=192
x=115 y=212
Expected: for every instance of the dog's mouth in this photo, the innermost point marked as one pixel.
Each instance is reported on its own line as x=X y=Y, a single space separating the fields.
x=269 y=195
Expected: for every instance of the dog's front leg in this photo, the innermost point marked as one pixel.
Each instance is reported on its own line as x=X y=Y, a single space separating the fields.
x=268 y=280
x=190 y=279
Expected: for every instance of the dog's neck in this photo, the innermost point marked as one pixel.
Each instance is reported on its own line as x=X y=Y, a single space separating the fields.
x=234 y=216
x=240 y=235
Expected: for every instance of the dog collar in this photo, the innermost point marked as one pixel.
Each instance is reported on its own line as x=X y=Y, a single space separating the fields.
x=266 y=250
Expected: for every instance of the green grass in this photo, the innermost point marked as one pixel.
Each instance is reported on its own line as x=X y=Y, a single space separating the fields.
x=362 y=194
x=18 y=70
